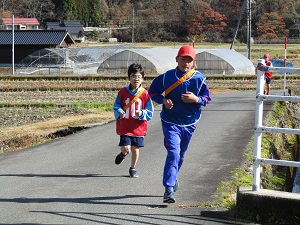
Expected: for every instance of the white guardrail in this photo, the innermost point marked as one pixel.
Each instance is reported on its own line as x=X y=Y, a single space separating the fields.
x=260 y=129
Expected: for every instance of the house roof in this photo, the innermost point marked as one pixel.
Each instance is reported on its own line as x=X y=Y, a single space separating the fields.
x=72 y=26
x=35 y=37
x=18 y=21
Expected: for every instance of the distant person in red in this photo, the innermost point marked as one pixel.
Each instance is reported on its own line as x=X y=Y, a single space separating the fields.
x=268 y=75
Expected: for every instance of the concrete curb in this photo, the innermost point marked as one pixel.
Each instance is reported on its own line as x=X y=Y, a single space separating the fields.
x=266 y=203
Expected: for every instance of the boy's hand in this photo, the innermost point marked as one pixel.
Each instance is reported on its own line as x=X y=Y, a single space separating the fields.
x=138 y=113
x=122 y=115
x=168 y=103
x=189 y=97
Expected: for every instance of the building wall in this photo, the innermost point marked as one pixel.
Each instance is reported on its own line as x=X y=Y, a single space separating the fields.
x=20 y=27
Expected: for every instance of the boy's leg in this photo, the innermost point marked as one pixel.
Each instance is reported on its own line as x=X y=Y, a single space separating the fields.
x=125 y=149
x=134 y=159
x=268 y=85
x=265 y=88
x=172 y=145
x=125 y=144
x=268 y=89
x=136 y=143
x=172 y=137
x=187 y=133
x=135 y=152
x=121 y=156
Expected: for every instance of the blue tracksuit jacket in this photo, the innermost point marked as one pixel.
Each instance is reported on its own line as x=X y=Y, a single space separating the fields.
x=182 y=114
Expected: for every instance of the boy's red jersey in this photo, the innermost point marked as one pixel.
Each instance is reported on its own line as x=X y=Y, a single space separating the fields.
x=131 y=125
x=268 y=74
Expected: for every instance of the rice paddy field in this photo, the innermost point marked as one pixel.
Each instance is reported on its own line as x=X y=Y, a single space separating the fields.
x=39 y=99
x=30 y=100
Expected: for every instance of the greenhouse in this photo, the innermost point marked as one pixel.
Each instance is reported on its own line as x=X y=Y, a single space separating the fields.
x=223 y=61
x=114 y=60
x=159 y=60
x=153 y=60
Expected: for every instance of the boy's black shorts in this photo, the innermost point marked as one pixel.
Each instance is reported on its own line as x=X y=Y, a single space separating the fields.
x=268 y=80
x=132 y=141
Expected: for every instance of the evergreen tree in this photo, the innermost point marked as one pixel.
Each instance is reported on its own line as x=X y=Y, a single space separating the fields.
x=83 y=12
x=95 y=15
x=69 y=9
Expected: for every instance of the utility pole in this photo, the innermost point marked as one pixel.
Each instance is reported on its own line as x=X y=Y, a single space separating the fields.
x=238 y=25
x=249 y=29
x=13 y=44
x=132 y=40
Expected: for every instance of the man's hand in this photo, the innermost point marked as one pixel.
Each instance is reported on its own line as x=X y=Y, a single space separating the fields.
x=168 y=103
x=189 y=97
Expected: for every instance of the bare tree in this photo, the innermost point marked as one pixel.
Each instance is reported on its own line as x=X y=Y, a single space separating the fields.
x=3 y=5
x=40 y=9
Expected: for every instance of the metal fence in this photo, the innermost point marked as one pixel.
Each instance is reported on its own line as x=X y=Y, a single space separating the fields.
x=260 y=129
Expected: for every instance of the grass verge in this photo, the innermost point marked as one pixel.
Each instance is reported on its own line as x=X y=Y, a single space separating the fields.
x=16 y=138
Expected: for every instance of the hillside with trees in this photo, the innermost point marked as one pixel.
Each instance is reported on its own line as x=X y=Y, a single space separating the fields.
x=168 y=20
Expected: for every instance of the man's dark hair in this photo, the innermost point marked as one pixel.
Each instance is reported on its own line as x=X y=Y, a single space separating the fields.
x=135 y=67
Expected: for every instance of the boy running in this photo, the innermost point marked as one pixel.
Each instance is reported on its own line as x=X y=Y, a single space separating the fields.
x=132 y=109
x=268 y=75
x=186 y=92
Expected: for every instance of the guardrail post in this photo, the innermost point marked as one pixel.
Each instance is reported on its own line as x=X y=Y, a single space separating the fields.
x=258 y=123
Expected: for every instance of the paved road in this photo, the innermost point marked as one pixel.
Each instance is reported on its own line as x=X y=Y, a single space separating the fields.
x=74 y=180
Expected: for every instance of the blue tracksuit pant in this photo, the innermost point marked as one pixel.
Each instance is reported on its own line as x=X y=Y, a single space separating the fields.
x=176 y=141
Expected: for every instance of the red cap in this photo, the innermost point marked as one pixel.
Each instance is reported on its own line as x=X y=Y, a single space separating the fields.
x=187 y=50
x=266 y=55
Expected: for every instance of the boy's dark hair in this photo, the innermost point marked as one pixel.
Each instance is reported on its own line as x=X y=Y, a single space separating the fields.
x=135 y=67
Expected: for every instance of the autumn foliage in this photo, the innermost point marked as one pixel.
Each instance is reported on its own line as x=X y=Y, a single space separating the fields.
x=271 y=26
x=205 y=22
x=168 y=20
